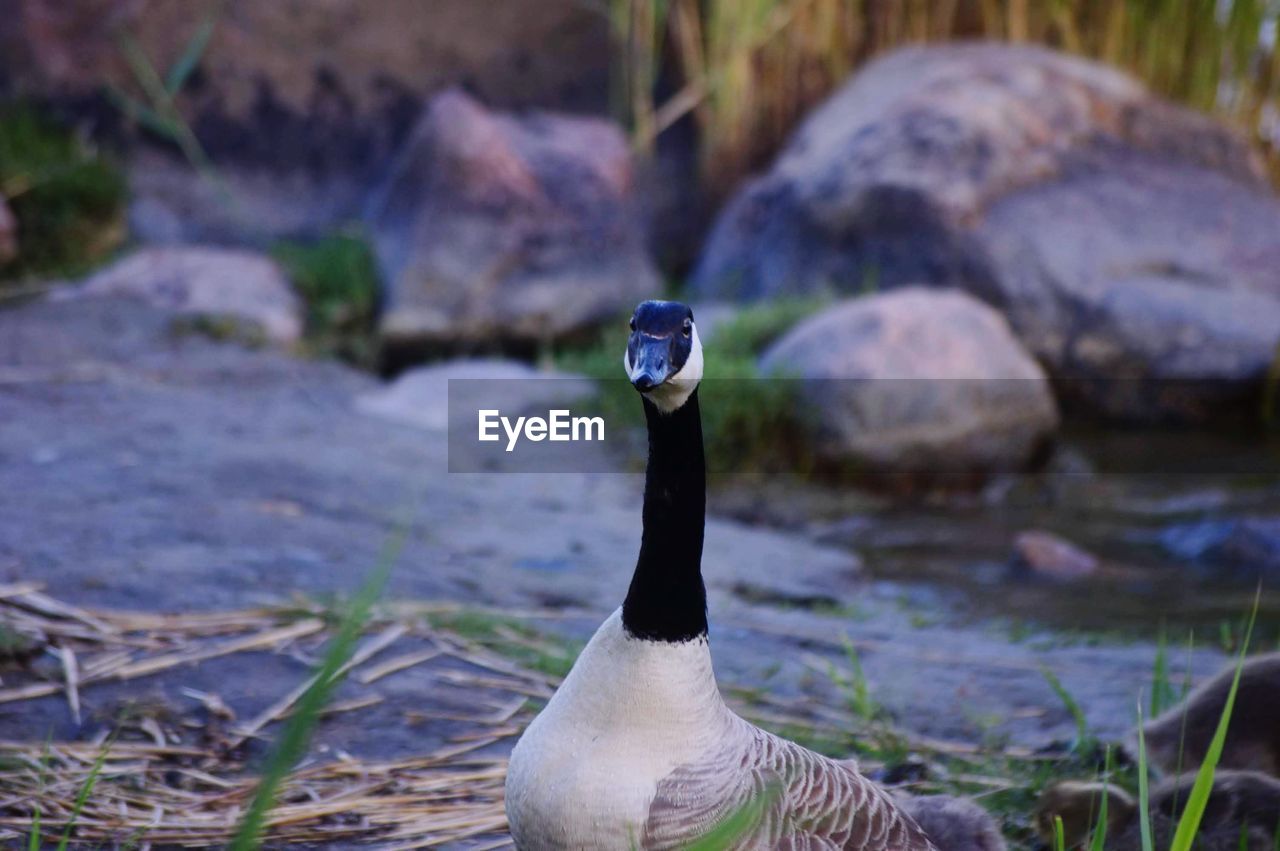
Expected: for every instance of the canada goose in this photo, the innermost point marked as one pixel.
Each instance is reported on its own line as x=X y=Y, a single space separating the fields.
x=1253 y=739
x=1242 y=804
x=953 y=824
x=637 y=749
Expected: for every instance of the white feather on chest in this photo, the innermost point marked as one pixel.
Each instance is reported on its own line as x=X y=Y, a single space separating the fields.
x=585 y=771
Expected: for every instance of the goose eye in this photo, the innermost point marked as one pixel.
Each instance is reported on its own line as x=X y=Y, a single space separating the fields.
x=633 y=323
x=688 y=327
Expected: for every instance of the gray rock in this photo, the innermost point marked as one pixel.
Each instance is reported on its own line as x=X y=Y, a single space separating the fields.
x=1122 y=236
x=496 y=227
x=212 y=282
x=1156 y=278
x=420 y=397
x=8 y=233
x=920 y=382
x=1244 y=546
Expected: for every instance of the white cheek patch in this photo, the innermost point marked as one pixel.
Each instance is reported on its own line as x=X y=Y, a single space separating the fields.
x=692 y=369
x=677 y=389
x=626 y=363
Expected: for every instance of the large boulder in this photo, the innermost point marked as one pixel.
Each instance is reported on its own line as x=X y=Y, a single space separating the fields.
x=241 y=287
x=1122 y=236
x=927 y=384
x=300 y=104
x=317 y=86
x=503 y=228
x=421 y=397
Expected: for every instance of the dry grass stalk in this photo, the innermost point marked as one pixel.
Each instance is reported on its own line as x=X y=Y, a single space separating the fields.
x=281 y=707
x=158 y=792
x=432 y=800
x=749 y=70
x=399 y=663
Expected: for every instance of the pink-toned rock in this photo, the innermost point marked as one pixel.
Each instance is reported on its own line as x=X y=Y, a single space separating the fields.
x=918 y=382
x=200 y=281
x=301 y=104
x=314 y=83
x=8 y=233
x=494 y=226
x=1049 y=556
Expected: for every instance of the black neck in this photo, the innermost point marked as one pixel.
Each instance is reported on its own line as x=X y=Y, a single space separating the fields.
x=667 y=600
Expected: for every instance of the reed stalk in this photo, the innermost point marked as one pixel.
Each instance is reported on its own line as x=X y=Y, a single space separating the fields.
x=748 y=70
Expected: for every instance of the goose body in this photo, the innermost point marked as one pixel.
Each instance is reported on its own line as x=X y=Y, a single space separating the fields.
x=1178 y=739
x=953 y=824
x=637 y=749
x=1243 y=813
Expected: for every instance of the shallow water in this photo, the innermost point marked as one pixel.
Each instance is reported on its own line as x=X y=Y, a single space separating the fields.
x=1150 y=506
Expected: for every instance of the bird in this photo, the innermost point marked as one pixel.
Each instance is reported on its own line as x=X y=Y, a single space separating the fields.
x=637 y=749
x=1179 y=738
x=952 y=823
x=1243 y=813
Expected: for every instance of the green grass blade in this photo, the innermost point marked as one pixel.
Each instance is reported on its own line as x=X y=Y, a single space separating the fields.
x=859 y=691
x=1099 y=842
x=1144 y=796
x=132 y=109
x=34 y=840
x=1059 y=835
x=1162 y=696
x=162 y=105
x=297 y=731
x=1189 y=824
x=86 y=789
x=192 y=53
x=143 y=71
x=730 y=830
x=1083 y=739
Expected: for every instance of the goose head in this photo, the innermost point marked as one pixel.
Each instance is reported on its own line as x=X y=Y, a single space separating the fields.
x=664 y=357
x=1077 y=803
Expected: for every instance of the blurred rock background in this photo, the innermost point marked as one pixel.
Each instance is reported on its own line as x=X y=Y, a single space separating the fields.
x=994 y=285
x=1070 y=202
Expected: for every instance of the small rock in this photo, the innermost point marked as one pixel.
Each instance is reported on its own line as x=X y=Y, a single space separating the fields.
x=206 y=282
x=918 y=381
x=8 y=233
x=498 y=227
x=420 y=397
x=1048 y=556
x=1247 y=546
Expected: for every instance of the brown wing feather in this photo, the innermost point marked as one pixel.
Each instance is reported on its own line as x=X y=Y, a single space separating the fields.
x=806 y=801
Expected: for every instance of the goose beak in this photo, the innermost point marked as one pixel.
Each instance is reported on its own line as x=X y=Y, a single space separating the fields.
x=648 y=361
